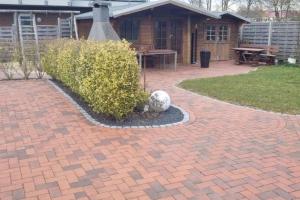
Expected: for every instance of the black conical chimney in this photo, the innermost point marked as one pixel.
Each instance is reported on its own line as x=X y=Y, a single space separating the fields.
x=102 y=29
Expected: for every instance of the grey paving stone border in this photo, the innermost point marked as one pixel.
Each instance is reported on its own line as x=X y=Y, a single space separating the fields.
x=185 y=119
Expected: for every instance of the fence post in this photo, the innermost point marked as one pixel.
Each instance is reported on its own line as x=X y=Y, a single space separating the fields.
x=71 y=25
x=270 y=34
x=241 y=32
x=298 y=45
x=58 y=28
x=15 y=28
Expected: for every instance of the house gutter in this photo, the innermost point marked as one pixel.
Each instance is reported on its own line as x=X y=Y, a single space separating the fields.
x=39 y=11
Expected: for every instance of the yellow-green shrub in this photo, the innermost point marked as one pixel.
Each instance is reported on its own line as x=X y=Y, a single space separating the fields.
x=105 y=74
x=49 y=58
x=67 y=63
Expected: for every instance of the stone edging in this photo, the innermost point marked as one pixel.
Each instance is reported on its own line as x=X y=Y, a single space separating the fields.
x=93 y=121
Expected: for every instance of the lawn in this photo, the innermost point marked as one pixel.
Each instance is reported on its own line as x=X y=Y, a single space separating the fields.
x=269 y=88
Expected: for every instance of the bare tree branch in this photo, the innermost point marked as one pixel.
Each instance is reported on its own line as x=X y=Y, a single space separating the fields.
x=197 y=3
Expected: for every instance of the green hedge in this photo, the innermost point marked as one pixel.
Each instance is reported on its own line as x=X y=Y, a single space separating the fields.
x=104 y=74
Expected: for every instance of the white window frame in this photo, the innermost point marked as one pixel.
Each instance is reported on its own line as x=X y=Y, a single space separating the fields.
x=210 y=29
x=223 y=34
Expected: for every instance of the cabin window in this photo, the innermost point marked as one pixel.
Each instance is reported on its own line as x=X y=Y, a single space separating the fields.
x=211 y=32
x=160 y=32
x=129 y=30
x=223 y=33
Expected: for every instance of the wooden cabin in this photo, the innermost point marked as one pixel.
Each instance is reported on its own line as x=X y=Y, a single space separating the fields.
x=174 y=25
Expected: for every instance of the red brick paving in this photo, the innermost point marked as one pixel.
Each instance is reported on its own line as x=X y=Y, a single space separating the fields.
x=48 y=150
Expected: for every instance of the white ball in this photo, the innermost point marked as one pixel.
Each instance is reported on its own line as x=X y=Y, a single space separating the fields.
x=159 y=101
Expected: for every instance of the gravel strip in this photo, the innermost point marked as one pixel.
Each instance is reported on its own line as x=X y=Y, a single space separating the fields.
x=173 y=116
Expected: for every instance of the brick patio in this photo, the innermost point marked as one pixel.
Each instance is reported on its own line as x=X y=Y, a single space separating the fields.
x=48 y=150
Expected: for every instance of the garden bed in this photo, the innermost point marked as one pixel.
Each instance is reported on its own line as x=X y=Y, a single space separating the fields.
x=173 y=115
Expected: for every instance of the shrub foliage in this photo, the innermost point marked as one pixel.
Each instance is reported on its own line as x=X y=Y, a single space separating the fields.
x=104 y=74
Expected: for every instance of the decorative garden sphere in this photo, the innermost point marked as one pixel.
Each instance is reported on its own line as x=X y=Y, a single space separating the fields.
x=159 y=101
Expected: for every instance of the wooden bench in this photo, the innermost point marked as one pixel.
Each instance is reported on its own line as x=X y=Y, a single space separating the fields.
x=269 y=54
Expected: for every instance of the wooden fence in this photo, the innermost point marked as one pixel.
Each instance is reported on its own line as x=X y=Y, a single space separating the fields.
x=7 y=42
x=285 y=35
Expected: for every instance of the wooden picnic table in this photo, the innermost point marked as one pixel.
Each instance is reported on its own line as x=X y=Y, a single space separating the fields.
x=247 y=55
x=153 y=52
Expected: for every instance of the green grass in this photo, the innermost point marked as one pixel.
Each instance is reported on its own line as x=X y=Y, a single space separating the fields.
x=268 y=88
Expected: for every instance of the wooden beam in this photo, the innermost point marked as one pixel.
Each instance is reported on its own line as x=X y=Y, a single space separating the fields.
x=76 y=28
x=153 y=26
x=270 y=34
x=188 y=44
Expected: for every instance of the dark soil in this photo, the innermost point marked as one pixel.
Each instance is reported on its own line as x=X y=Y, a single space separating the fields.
x=172 y=115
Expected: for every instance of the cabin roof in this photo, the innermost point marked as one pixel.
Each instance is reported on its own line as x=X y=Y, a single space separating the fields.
x=118 y=11
x=130 y=8
x=234 y=15
x=155 y=4
x=112 y=8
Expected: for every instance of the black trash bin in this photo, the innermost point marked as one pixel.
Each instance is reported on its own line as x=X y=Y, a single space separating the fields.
x=204 y=58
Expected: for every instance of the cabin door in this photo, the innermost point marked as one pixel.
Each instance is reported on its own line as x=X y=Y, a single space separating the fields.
x=176 y=38
x=168 y=35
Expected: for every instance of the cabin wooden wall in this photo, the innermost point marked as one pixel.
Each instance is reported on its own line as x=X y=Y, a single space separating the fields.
x=220 y=51
x=146 y=31
x=186 y=40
